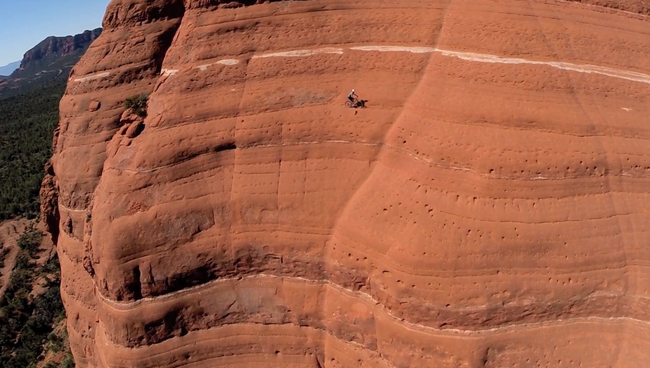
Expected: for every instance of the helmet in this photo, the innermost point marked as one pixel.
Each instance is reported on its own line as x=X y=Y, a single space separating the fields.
x=352 y=89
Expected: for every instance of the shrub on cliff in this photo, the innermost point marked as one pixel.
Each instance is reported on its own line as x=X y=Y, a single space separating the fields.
x=138 y=104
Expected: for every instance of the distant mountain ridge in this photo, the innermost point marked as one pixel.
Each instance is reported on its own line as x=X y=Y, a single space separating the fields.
x=50 y=59
x=58 y=47
x=6 y=70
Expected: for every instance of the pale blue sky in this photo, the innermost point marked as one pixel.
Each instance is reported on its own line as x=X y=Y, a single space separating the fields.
x=25 y=23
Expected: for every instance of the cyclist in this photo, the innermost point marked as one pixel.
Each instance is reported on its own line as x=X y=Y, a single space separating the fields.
x=352 y=96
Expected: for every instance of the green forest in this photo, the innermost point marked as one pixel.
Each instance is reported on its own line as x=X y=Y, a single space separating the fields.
x=32 y=325
x=27 y=122
x=27 y=322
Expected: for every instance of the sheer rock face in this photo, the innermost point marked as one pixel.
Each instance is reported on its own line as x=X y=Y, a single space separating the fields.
x=488 y=209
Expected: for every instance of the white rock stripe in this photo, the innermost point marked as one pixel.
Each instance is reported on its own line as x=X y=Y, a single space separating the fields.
x=92 y=77
x=488 y=58
x=222 y=62
x=168 y=72
x=228 y=62
x=413 y=50
x=301 y=53
x=467 y=56
x=584 y=68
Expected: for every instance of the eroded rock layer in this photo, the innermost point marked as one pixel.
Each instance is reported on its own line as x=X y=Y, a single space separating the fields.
x=488 y=209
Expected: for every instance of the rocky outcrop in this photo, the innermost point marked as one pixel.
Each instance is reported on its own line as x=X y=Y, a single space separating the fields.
x=487 y=209
x=58 y=47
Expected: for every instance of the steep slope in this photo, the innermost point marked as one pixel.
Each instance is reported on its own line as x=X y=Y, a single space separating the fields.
x=48 y=62
x=487 y=210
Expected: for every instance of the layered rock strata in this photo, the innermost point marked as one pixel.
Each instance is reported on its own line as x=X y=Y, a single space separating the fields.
x=488 y=209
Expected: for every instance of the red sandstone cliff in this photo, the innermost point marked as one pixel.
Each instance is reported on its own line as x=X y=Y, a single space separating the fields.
x=489 y=208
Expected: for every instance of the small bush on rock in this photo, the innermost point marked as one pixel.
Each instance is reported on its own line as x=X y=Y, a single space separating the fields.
x=138 y=104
